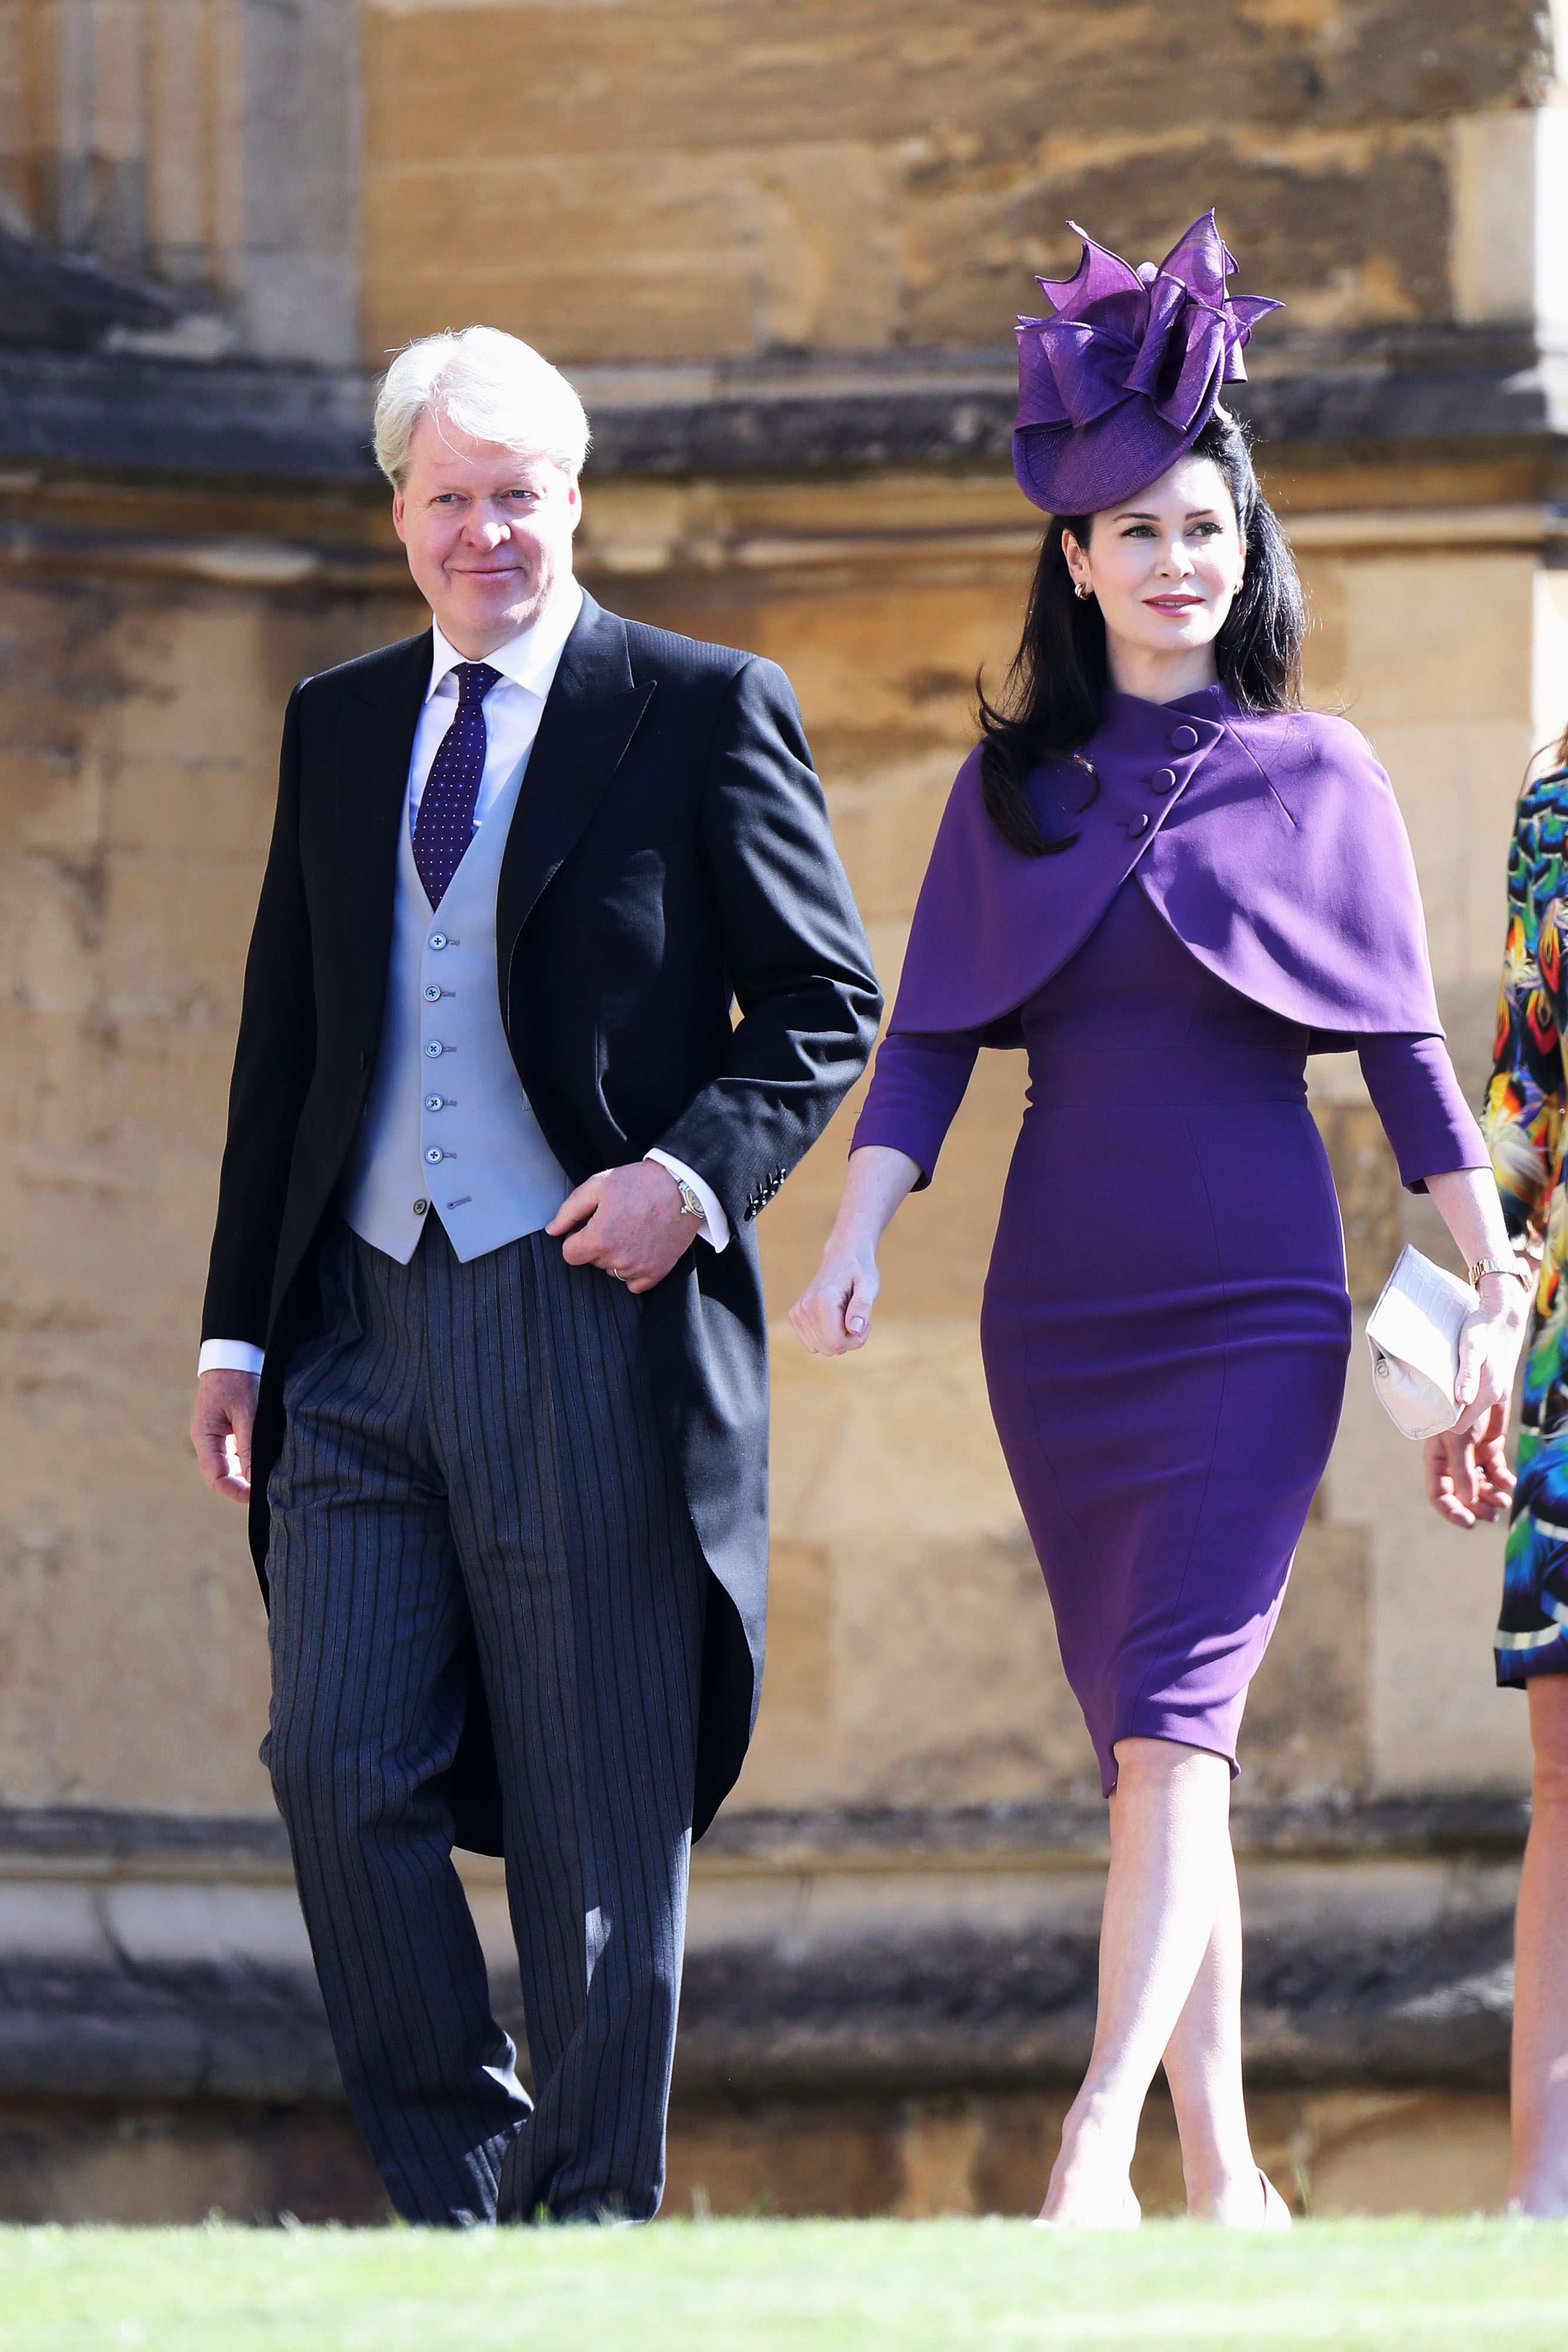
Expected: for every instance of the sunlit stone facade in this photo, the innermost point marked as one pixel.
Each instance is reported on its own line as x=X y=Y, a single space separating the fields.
x=780 y=247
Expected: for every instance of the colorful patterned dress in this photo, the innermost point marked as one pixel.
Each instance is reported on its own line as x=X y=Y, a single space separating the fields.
x=1523 y=1125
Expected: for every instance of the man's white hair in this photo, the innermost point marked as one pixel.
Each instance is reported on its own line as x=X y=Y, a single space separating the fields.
x=488 y=385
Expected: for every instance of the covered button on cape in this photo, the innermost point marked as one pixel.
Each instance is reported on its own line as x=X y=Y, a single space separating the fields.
x=1270 y=842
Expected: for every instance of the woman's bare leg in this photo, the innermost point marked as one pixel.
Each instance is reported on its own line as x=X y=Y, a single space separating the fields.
x=1539 y=2181
x=1170 y=1852
x=1202 y=2065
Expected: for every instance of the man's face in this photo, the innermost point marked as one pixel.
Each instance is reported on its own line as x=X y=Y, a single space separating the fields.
x=488 y=533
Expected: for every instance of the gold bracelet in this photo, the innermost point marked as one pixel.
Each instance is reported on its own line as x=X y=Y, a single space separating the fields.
x=1513 y=1266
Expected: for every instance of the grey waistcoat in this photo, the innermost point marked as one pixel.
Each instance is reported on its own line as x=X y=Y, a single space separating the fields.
x=448 y=1127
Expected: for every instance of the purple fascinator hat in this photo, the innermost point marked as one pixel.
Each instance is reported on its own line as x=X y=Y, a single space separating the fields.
x=1128 y=370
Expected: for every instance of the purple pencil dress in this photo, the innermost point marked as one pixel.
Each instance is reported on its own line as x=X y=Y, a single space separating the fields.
x=1165 y=1325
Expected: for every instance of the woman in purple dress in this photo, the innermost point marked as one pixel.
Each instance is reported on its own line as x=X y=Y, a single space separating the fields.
x=1168 y=884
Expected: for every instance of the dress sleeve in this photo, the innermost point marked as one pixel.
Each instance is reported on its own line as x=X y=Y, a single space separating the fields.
x=1524 y=1114
x=916 y=1088
x=1424 y=1116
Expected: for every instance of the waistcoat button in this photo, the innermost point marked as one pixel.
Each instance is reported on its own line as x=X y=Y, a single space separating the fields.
x=434 y=1048
x=1186 y=738
x=434 y=1154
x=1165 y=780
x=438 y=939
x=1139 y=824
x=432 y=994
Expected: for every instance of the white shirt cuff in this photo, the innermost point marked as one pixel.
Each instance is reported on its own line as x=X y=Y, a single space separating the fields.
x=715 y=1227
x=228 y=1355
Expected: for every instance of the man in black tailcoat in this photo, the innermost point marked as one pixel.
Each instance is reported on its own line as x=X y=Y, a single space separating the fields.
x=484 y=1340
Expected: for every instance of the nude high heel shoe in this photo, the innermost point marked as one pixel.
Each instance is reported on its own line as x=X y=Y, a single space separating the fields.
x=1277 y=2214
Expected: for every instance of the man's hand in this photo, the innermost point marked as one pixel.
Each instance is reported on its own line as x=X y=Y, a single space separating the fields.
x=1468 y=1476
x=220 y=1430
x=627 y=1220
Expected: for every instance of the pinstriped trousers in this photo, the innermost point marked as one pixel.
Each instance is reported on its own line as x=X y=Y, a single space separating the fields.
x=477 y=1447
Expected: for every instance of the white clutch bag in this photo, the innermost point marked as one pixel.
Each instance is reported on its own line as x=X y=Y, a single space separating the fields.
x=1413 y=1335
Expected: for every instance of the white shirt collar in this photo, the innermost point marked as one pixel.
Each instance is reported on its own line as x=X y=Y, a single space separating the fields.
x=530 y=659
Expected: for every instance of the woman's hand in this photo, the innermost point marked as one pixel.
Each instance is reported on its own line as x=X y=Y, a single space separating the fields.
x=1468 y=1476
x=833 y=1313
x=1488 y=1351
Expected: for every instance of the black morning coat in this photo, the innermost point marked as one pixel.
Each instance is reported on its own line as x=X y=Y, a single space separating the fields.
x=670 y=860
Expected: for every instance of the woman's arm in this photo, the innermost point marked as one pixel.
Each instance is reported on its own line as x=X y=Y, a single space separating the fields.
x=919 y=1082
x=1467 y=1474
x=833 y=1313
x=1440 y=1151
x=1466 y=1201
x=1424 y=1116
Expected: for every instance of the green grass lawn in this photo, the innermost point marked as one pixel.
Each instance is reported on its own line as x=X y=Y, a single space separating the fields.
x=773 y=2286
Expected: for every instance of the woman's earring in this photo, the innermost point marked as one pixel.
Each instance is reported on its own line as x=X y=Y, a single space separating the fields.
x=1081 y=592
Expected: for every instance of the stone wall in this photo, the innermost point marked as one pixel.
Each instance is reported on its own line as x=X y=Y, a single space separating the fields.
x=136 y=785
x=878 y=2013
x=209 y=146
x=781 y=246
x=675 y=181
x=913 y=1657
x=667 y=179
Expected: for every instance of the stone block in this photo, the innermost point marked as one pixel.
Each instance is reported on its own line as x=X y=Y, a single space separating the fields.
x=1366 y=1179
x=1443 y=647
x=986 y=69
x=1306 y=1731
x=784 y=2159
x=1330 y=2154
x=1444 y=629
x=941 y=2144
x=795 y=1747
x=1510 y=187
x=1434 y=1602
x=943 y=1674
x=816 y=179
x=1415 y=2154
x=166 y=2165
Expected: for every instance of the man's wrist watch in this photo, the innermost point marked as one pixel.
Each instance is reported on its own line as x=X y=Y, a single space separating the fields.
x=690 y=1206
x=1513 y=1266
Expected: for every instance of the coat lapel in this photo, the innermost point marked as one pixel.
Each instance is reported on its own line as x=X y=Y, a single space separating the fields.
x=589 y=719
x=370 y=796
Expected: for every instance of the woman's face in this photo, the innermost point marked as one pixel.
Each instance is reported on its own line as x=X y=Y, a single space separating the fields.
x=1166 y=566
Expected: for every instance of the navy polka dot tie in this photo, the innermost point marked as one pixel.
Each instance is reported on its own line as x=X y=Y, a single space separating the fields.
x=444 y=825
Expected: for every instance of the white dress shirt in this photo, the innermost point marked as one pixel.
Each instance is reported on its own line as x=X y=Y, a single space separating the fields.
x=513 y=708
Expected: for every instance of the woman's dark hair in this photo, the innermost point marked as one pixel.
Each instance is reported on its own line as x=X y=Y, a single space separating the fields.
x=1050 y=702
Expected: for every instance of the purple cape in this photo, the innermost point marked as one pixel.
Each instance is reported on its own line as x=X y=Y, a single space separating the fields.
x=1271 y=843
